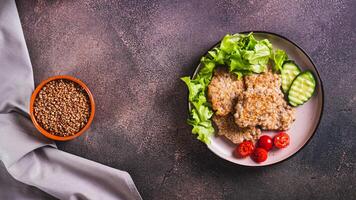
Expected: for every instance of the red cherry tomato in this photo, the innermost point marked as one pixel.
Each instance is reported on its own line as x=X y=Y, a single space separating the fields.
x=281 y=140
x=244 y=149
x=259 y=155
x=265 y=142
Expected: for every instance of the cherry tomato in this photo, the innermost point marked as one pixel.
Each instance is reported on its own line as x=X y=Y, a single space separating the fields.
x=259 y=155
x=244 y=149
x=265 y=142
x=281 y=140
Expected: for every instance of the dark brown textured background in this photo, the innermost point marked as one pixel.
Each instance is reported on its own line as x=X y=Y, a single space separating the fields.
x=131 y=55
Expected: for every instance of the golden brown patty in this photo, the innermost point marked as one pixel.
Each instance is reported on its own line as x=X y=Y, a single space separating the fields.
x=223 y=91
x=264 y=81
x=263 y=104
x=228 y=128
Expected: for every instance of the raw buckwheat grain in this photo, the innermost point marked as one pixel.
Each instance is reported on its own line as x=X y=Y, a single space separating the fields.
x=62 y=107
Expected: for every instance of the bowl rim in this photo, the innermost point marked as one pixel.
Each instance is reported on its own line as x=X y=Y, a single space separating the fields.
x=42 y=130
x=198 y=66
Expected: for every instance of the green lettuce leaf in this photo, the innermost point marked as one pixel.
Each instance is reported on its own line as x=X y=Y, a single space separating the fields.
x=252 y=57
x=204 y=130
x=279 y=57
x=229 y=43
x=201 y=112
x=194 y=87
x=217 y=56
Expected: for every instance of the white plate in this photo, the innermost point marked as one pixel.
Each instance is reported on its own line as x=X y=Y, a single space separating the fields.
x=307 y=117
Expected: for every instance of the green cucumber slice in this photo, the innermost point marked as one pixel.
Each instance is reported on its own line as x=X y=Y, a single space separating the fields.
x=290 y=70
x=302 y=88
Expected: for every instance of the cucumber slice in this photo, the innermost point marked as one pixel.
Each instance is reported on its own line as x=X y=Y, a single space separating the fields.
x=290 y=70
x=302 y=88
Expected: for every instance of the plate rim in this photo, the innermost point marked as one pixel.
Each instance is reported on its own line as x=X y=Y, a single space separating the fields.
x=322 y=98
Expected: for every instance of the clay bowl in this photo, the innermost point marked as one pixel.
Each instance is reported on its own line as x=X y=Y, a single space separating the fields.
x=46 y=133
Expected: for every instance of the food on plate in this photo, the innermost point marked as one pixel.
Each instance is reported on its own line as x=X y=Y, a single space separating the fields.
x=223 y=91
x=62 y=107
x=263 y=104
x=242 y=86
x=227 y=127
x=289 y=71
x=244 y=149
x=242 y=54
x=279 y=58
x=265 y=142
x=297 y=85
x=281 y=140
x=302 y=88
x=259 y=155
x=266 y=82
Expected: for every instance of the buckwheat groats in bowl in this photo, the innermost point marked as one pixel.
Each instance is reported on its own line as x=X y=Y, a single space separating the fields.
x=62 y=108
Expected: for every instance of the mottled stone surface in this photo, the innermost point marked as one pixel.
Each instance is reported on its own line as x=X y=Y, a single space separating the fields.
x=132 y=53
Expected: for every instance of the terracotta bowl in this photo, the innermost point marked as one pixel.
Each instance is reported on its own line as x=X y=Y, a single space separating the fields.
x=42 y=130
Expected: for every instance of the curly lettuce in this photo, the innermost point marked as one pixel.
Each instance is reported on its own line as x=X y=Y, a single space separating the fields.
x=279 y=57
x=243 y=55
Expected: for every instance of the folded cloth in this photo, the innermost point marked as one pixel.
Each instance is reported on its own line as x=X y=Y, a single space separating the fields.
x=30 y=157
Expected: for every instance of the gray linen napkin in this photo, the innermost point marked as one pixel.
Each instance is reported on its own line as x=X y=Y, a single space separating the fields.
x=29 y=157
